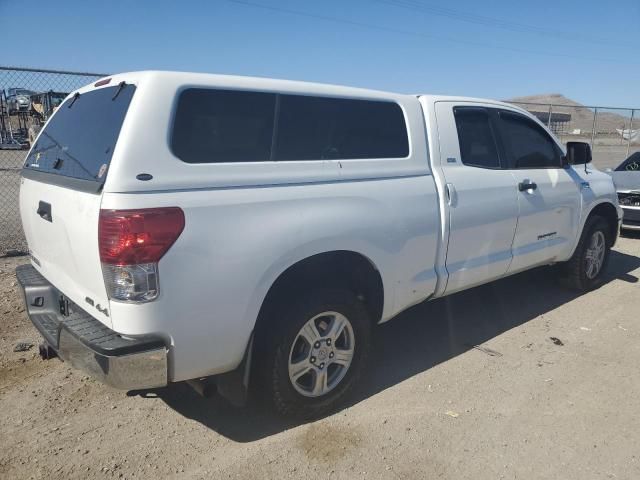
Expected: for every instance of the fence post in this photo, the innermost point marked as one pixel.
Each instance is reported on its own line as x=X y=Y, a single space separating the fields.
x=593 y=128
x=630 y=130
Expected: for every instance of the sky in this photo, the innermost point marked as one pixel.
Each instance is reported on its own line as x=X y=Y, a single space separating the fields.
x=584 y=49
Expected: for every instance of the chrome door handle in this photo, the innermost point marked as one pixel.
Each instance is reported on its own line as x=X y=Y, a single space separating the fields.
x=450 y=191
x=44 y=211
x=526 y=185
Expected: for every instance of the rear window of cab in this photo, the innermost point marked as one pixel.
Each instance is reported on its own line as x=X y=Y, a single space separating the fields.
x=216 y=126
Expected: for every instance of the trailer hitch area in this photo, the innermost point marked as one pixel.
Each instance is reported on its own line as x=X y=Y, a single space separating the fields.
x=203 y=387
x=46 y=351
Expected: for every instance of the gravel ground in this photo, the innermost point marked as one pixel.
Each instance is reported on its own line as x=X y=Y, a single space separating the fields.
x=550 y=391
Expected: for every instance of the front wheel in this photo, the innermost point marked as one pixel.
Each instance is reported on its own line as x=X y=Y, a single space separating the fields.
x=585 y=270
x=315 y=351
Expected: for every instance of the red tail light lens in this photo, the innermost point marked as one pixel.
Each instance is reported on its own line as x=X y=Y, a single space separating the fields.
x=132 y=237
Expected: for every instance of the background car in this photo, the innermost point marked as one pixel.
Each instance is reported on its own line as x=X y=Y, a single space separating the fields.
x=626 y=178
x=42 y=107
x=18 y=100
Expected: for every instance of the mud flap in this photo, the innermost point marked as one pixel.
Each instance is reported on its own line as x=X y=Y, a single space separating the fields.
x=234 y=385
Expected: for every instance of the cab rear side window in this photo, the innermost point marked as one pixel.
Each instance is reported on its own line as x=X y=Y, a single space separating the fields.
x=477 y=142
x=215 y=126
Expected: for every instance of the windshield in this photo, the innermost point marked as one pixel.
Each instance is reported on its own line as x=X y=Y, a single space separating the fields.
x=23 y=92
x=631 y=164
x=79 y=139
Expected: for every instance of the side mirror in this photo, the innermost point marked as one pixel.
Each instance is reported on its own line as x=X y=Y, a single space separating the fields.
x=578 y=153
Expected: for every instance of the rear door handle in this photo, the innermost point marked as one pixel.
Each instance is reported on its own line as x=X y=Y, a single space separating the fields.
x=452 y=198
x=527 y=185
x=44 y=210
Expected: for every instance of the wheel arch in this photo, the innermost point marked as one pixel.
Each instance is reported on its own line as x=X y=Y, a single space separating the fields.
x=360 y=274
x=343 y=268
x=609 y=212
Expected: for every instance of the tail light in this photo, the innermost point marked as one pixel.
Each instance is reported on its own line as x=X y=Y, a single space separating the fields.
x=131 y=244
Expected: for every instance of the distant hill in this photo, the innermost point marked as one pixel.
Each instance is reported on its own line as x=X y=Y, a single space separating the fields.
x=547 y=98
x=581 y=116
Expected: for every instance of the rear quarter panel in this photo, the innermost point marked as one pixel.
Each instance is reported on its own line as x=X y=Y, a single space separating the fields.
x=237 y=242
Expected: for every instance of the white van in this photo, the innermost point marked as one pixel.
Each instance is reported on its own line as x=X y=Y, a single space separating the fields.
x=236 y=231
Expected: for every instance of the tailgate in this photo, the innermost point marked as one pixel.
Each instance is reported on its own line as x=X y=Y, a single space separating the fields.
x=61 y=227
x=61 y=191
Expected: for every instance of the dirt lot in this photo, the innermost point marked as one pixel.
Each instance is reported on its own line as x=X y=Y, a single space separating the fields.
x=520 y=406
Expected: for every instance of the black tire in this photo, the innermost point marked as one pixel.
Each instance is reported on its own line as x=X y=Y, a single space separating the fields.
x=279 y=333
x=575 y=270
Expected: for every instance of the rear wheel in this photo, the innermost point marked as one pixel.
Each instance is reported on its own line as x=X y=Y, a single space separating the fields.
x=315 y=352
x=584 y=271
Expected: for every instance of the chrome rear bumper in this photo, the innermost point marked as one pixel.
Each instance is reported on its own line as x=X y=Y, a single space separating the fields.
x=78 y=338
x=147 y=369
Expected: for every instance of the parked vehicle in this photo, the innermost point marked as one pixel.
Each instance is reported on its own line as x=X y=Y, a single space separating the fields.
x=626 y=178
x=240 y=231
x=12 y=133
x=42 y=107
x=18 y=100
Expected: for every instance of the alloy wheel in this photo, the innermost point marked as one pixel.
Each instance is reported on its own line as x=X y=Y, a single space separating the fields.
x=321 y=354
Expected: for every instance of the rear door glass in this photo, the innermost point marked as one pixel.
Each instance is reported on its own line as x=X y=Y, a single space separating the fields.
x=79 y=140
x=475 y=135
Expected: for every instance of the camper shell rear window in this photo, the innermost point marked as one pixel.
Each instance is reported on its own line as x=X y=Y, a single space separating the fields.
x=79 y=140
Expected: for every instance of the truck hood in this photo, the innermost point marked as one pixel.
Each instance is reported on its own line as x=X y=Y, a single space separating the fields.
x=626 y=180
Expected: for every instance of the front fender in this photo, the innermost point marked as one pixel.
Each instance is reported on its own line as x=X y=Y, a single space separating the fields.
x=601 y=192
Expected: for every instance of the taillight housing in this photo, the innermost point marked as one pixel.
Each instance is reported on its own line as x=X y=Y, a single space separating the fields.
x=131 y=243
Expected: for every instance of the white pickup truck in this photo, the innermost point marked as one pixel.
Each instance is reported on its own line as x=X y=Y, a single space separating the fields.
x=238 y=232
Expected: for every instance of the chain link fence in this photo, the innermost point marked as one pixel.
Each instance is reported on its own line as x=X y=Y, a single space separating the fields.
x=613 y=133
x=27 y=98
